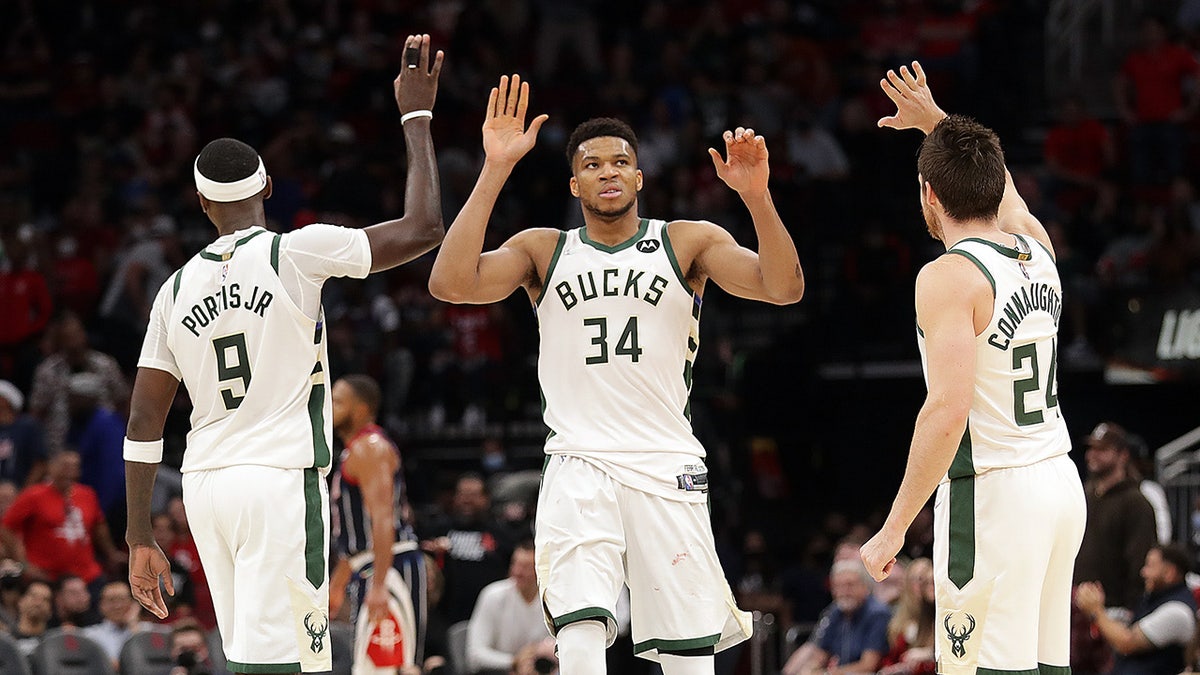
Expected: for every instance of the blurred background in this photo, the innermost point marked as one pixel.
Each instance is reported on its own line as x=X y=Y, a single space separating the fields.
x=806 y=410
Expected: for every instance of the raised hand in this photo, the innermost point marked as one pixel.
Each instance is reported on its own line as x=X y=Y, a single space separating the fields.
x=745 y=168
x=416 y=85
x=505 y=138
x=147 y=565
x=910 y=92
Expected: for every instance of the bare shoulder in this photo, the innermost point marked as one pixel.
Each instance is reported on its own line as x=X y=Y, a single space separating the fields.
x=535 y=240
x=951 y=279
x=370 y=454
x=690 y=238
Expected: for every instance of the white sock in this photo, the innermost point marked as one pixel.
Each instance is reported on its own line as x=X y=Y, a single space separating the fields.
x=674 y=664
x=581 y=648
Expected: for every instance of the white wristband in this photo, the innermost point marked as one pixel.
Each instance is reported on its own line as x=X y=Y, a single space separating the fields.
x=147 y=452
x=415 y=114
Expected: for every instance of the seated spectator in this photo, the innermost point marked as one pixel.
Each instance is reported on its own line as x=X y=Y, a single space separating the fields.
x=73 y=604
x=55 y=529
x=33 y=616
x=120 y=619
x=189 y=649
x=22 y=452
x=508 y=617
x=1163 y=623
x=11 y=590
x=852 y=633
x=911 y=630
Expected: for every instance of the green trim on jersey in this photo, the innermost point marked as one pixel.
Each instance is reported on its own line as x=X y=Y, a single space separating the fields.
x=275 y=254
x=238 y=667
x=222 y=257
x=674 y=259
x=1044 y=669
x=316 y=416
x=582 y=615
x=961 y=557
x=919 y=331
x=641 y=232
x=1057 y=670
x=1002 y=249
x=562 y=241
x=964 y=461
x=314 y=534
x=664 y=645
x=178 y=278
x=978 y=264
x=1051 y=256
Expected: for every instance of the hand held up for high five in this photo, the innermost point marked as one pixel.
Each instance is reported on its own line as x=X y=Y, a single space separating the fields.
x=416 y=85
x=745 y=168
x=505 y=138
x=910 y=92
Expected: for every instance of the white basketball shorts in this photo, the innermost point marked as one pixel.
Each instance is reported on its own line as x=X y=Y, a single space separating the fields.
x=263 y=537
x=593 y=534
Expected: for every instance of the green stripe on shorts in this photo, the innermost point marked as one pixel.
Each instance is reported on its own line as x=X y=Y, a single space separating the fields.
x=1044 y=669
x=961 y=564
x=1031 y=671
x=583 y=615
x=236 y=667
x=677 y=645
x=316 y=417
x=314 y=538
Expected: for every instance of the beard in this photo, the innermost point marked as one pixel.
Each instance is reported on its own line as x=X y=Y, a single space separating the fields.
x=931 y=222
x=612 y=213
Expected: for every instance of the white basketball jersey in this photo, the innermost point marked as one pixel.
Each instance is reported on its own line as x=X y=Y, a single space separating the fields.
x=254 y=363
x=619 y=331
x=1015 y=416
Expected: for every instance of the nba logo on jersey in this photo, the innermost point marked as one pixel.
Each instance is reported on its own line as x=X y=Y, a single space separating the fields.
x=224 y=272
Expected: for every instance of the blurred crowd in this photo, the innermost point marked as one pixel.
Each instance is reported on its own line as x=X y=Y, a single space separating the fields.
x=104 y=105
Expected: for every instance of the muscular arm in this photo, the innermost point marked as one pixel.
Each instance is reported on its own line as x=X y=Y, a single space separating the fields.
x=772 y=274
x=462 y=272
x=948 y=291
x=395 y=242
x=1124 y=639
x=1014 y=216
x=373 y=463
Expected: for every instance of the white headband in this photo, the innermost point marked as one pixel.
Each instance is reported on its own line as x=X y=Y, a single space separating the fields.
x=231 y=192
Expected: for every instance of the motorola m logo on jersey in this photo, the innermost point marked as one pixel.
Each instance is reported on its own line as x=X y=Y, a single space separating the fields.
x=1039 y=297
x=611 y=282
x=647 y=245
x=229 y=297
x=959 y=634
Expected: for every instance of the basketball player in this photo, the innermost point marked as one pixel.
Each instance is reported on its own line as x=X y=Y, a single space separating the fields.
x=241 y=325
x=370 y=532
x=618 y=305
x=1009 y=511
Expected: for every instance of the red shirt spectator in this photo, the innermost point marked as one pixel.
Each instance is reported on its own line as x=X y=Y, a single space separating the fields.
x=1078 y=147
x=24 y=303
x=1154 y=76
x=56 y=529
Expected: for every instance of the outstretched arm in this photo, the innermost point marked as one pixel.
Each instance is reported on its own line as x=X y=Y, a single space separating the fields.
x=947 y=290
x=373 y=464
x=462 y=272
x=915 y=109
x=773 y=274
x=395 y=242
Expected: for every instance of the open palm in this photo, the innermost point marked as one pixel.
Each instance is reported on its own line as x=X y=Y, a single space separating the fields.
x=505 y=138
x=745 y=168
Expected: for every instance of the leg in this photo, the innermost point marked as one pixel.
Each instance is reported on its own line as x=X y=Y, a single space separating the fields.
x=692 y=664
x=1054 y=636
x=581 y=648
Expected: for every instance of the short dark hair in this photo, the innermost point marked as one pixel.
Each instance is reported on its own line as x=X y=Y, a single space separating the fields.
x=962 y=161
x=1176 y=556
x=226 y=160
x=595 y=128
x=186 y=625
x=366 y=389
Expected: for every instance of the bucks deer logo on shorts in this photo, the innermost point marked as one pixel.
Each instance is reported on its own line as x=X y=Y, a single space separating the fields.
x=316 y=631
x=959 y=634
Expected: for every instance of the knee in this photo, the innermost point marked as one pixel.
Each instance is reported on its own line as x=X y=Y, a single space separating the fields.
x=581 y=647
